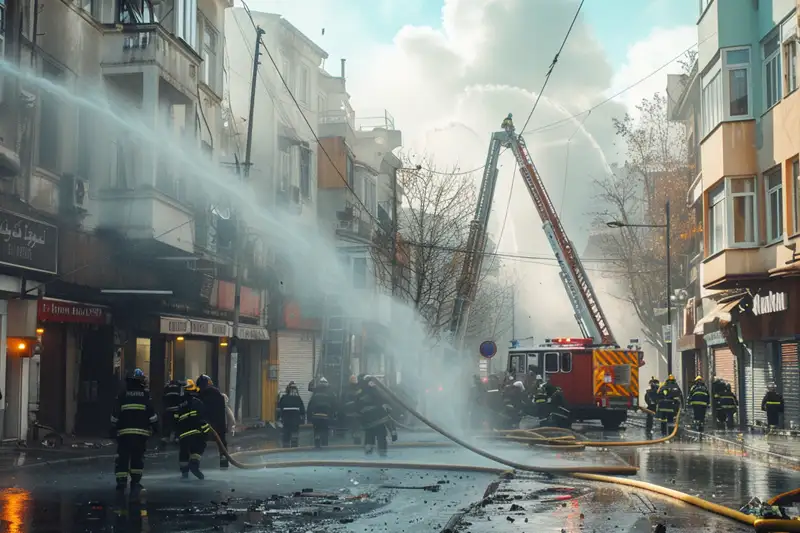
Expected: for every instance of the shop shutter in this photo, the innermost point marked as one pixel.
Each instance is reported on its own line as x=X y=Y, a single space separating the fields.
x=757 y=375
x=725 y=367
x=790 y=385
x=295 y=361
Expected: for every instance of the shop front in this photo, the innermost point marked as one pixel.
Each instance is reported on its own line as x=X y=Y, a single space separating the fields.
x=76 y=368
x=29 y=255
x=771 y=329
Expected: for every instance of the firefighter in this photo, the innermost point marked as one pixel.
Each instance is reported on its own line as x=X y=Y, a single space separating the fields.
x=216 y=414
x=292 y=414
x=717 y=388
x=665 y=412
x=321 y=409
x=773 y=405
x=495 y=406
x=350 y=410
x=560 y=415
x=477 y=396
x=375 y=417
x=133 y=421
x=727 y=406
x=651 y=401
x=507 y=122
x=192 y=427
x=699 y=399
x=171 y=399
x=540 y=399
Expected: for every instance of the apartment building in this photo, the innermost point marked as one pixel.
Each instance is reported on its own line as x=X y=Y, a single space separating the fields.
x=749 y=144
x=109 y=164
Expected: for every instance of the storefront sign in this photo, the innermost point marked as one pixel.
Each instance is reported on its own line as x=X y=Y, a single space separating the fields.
x=50 y=310
x=250 y=333
x=714 y=338
x=27 y=243
x=772 y=302
x=210 y=329
x=174 y=326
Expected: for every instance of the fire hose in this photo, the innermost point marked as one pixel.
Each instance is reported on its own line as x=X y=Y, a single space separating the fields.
x=603 y=474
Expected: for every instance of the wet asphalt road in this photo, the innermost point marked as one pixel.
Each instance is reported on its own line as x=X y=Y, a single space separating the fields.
x=59 y=497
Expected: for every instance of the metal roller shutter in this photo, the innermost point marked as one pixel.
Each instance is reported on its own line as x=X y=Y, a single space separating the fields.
x=758 y=374
x=295 y=361
x=790 y=385
x=725 y=367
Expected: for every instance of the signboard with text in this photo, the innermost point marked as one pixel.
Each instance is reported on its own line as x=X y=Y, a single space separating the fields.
x=50 y=310
x=28 y=243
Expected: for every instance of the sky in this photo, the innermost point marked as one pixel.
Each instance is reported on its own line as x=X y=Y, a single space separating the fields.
x=448 y=71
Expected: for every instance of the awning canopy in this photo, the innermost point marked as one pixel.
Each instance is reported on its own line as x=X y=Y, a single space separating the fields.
x=183 y=325
x=721 y=312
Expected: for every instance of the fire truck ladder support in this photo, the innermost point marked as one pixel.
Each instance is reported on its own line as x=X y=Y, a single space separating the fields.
x=587 y=308
x=476 y=243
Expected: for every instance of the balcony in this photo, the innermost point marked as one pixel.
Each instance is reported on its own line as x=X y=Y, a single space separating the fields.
x=338 y=123
x=729 y=150
x=736 y=267
x=129 y=49
x=145 y=213
x=352 y=227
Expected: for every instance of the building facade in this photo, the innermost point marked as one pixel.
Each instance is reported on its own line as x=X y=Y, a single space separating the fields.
x=109 y=168
x=749 y=148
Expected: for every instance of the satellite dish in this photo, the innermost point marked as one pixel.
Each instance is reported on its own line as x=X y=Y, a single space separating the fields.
x=222 y=212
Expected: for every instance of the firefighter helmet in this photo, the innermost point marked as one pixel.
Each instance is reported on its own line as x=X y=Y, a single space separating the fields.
x=190 y=386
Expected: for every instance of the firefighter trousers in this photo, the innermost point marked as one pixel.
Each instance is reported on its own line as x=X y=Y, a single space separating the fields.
x=376 y=435
x=648 y=423
x=699 y=412
x=130 y=458
x=290 y=436
x=191 y=451
x=168 y=425
x=725 y=418
x=321 y=432
x=223 y=436
x=667 y=421
x=773 y=417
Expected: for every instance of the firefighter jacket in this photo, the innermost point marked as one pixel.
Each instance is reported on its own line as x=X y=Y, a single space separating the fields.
x=190 y=418
x=322 y=405
x=173 y=392
x=292 y=410
x=772 y=402
x=215 y=410
x=667 y=406
x=717 y=388
x=699 y=396
x=651 y=399
x=727 y=401
x=674 y=390
x=349 y=396
x=558 y=405
x=371 y=410
x=134 y=414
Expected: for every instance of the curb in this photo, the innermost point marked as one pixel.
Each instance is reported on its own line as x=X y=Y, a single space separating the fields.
x=753 y=452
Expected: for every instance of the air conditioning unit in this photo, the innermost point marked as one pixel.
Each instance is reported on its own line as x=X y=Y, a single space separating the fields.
x=74 y=194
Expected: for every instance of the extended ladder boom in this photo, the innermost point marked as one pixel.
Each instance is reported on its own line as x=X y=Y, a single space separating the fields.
x=467 y=283
x=590 y=316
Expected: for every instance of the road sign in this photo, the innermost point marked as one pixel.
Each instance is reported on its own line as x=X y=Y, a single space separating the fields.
x=488 y=349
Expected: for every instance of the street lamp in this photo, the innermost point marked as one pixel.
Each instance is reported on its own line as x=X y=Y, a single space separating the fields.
x=666 y=226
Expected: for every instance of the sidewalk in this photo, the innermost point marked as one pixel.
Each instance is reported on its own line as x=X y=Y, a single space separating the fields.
x=779 y=448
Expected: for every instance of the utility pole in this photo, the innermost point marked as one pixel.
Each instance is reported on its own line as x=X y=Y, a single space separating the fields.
x=395 y=228
x=238 y=240
x=668 y=340
x=513 y=315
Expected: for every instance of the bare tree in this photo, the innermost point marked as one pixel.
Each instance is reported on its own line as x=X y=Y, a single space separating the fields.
x=490 y=313
x=434 y=225
x=656 y=169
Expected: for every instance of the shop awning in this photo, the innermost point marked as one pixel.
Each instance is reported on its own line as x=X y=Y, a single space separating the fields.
x=253 y=333
x=721 y=312
x=183 y=325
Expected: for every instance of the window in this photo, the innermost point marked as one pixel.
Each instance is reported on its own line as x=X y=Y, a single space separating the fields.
x=303 y=89
x=712 y=103
x=566 y=362
x=737 y=77
x=350 y=171
x=743 y=211
x=772 y=71
x=50 y=123
x=209 y=54
x=551 y=360
x=796 y=185
x=186 y=21
x=788 y=38
x=773 y=184
x=143 y=355
x=716 y=219
x=359 y=272
x=305 y=172
x=285 y=169
x=87 y=6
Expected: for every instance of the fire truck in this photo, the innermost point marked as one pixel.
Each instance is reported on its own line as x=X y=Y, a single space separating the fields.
x=600 y=380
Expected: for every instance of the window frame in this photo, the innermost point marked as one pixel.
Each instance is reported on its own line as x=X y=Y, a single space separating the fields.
x=304 y=85
x=775 y=57
x=557 y=365
x=729 y=198
x=713 y=193
x=795 y=170
x=209 y=68
x=788 y=49
x=768 y=192
x=727 y=68
x=712 y=77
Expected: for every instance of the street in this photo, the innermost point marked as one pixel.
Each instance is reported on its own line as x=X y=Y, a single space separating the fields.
x=68 y=496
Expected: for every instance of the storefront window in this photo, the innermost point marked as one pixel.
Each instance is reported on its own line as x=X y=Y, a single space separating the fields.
x=143 y=355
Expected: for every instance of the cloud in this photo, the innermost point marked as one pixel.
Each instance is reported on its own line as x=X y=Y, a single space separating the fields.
x=646 y=56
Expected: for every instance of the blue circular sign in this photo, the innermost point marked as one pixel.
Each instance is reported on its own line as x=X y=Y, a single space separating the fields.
x=488 y=349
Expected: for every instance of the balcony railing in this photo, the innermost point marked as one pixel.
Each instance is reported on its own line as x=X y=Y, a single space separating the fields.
x=340 y=116
x=383 y=120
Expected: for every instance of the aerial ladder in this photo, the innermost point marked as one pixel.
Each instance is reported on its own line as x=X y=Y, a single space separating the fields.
x=588 y=312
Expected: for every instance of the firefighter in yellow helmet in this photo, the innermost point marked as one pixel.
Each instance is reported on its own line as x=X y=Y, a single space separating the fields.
x=699 y=399
x=675 y=392
x=191 y=427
